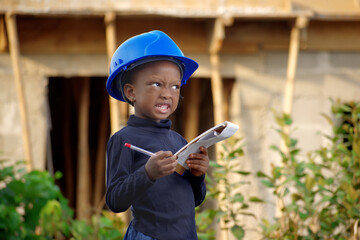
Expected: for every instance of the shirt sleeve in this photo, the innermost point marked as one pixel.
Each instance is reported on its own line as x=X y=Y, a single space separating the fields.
x=123 y=185
x=198 y=186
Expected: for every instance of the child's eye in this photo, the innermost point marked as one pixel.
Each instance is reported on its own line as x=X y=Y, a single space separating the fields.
x=156 y=84
x=176 y=87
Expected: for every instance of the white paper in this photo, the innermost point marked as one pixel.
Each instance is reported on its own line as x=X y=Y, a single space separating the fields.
x=210 y=137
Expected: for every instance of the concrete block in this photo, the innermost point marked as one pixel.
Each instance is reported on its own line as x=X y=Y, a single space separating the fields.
x=349 y=60
x=345 y=86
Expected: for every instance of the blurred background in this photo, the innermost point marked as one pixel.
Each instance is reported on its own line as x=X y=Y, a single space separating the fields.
x=254 y=56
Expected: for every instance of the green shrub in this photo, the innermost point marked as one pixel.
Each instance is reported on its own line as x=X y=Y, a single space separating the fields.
x=32 y=207
x=319 y=194
x=229 y=203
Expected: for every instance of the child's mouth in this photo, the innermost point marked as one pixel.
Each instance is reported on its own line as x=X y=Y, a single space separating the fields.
x=164 y=108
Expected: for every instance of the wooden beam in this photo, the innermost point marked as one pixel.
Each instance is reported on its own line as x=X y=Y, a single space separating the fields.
x=3 y=38
x=100 y=159
x=235 y=106
x=83 y=205
x=192 y=103
x=85 y=35
x=15 y=59
x=118 y=110
x=217 y=36
x=301 y=23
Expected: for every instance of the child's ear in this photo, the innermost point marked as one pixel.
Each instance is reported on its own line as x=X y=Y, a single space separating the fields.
x=129 y=92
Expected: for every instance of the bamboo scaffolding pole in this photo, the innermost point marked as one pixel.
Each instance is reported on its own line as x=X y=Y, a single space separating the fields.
x=83 y=205
x=192 y=102
x=300 y=23
x=118 y=110
x=100 y=159
x=216 y=37
x=235 y=106
x=68 y=148
x=3 y=39
x=15 y=59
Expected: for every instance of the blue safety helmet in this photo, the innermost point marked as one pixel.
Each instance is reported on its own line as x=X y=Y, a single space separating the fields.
x=144 y=48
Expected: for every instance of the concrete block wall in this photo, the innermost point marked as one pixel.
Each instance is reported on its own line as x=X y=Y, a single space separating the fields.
x=261 y=78
x=36 y=69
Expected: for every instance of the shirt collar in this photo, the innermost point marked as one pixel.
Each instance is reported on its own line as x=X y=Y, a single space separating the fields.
x=163 y=125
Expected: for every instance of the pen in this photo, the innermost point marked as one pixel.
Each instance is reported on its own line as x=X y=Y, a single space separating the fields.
x=139 y=149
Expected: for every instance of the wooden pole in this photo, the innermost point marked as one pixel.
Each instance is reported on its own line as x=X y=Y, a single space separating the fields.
x=192 y=102
x=216 y=37
x=15 y=60
x=118 y=110
x=83 y=206
x=68 y=148
x=100 y=158
x=301 y=22
x=3 y=40
x=235 y=105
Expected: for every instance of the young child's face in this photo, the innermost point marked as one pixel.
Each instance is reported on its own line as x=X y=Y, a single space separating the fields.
x=155 y=90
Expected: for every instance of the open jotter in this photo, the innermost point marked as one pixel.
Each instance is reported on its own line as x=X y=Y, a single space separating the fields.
x=208 y=138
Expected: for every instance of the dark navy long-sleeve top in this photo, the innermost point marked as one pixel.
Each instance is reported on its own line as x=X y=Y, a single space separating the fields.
x=164 y=208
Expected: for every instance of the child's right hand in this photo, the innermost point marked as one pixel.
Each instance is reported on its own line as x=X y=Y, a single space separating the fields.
x=160 y=165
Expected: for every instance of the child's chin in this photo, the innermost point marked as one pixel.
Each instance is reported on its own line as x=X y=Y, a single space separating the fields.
x=164 y=114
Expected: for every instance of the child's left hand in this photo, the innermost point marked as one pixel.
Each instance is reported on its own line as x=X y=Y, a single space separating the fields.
x=198 y=162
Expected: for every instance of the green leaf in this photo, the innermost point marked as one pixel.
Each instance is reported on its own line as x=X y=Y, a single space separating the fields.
x=295 y=197
x=261 y=175
x=267 y=183
x=329 y=120
x=287 y=119
x=293 y=142
x=236 y=153
x=276 y=148
x=345 y=108
x=242 y=172
x=238 y=232
x=309 y=182
x=215 y=164
x=256 y=199
x=303 y=216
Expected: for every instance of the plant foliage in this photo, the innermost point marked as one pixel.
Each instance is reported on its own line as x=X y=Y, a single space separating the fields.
x=318 y=195
x=32 y=207
x=224 y=189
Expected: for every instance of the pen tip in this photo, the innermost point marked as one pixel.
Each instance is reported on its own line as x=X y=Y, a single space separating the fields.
x=127 y=145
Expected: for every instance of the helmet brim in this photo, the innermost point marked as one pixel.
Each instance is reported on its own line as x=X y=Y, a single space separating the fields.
x=189 y=67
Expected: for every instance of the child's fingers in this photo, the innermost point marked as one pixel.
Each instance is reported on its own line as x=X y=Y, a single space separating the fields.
x=160 y=165
x=163 y=154
x=203 y=150
x=197 y=164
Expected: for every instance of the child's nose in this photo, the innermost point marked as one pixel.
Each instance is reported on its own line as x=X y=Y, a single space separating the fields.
x=166 y=92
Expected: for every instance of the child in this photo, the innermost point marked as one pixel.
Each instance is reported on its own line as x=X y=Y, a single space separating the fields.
x=147 y=71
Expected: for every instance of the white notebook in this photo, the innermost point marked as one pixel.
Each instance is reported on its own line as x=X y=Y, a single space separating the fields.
x=210 y=137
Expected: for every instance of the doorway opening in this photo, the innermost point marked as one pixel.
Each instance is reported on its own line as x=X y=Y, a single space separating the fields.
x=80 y=129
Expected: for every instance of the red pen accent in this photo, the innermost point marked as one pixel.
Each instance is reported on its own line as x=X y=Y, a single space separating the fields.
x=139 y=149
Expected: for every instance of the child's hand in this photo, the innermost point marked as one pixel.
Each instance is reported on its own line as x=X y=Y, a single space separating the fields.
x=198 y=162
x=160 y=165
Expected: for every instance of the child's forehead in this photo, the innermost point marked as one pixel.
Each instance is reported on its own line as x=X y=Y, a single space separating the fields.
x=156 y=66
